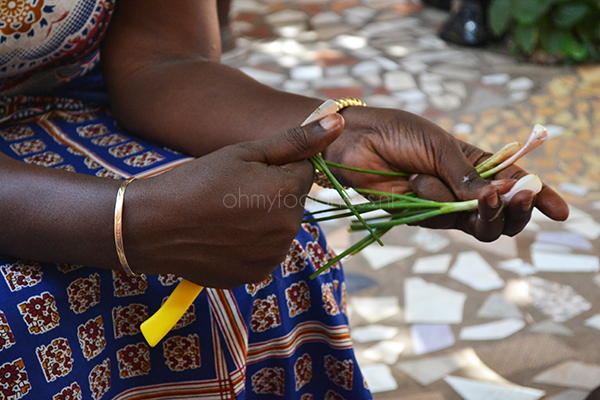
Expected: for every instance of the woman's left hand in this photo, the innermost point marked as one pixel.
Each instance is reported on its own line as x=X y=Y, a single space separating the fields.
x=441 y=169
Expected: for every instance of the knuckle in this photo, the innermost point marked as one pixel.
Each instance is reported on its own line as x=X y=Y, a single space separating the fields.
x=298 y=138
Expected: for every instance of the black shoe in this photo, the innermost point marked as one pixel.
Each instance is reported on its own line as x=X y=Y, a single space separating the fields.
x=442 y=4
x=467 y=24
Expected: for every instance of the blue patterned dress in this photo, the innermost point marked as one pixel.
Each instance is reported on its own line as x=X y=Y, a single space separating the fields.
x=72 y=332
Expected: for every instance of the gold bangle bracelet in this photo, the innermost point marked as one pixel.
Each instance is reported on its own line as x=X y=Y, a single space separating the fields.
x=119 y=228
x=320 y=177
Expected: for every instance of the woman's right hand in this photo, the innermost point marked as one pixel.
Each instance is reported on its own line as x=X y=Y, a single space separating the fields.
x=227 y=218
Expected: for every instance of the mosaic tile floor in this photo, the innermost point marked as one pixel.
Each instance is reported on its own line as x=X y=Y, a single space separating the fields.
x=437 y=315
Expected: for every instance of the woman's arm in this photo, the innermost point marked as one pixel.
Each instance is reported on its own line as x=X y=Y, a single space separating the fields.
x=161 y=64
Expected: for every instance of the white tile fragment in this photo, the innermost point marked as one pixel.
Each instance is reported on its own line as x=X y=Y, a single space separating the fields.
x=350 y=42
x=386 y=351
x=495 y=79
x=552 y=328
x=462 y=129
x=366 y=53
x=472 y=270
x=372 y=333
x=585 y=227
x=410 y=95
x=367 y=67
x=471 y=389
x=593 y=322
x=306 y=72
x=458 y=88
x=518 y=96
x=375 y=309
x=572 y=374
x=571 y=394
x=574 y=188
x=570 y=239
x=427 y=338
x=504 y=246
x=560 y=262
x=446 y=101
x=430 y=369
x=414 y=66
x=549 y=248
x=554 y=130
x=497 y=306
x=379 y=257
x=520 y=84
x=387 y=64
x=518 y=266
x=379 y=378
x=430 y=303
x=493 y=330
x=437 y=264
x=396 y=81
x=559 y=302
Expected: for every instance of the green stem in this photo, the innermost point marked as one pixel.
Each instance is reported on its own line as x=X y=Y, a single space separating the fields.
x=368 y=171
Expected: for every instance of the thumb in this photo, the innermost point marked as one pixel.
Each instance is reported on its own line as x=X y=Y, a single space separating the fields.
x=297 y=144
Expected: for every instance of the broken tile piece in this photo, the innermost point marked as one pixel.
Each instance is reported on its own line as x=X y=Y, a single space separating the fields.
x=518 y=266
x=472 y=270
x=375 y=309
x=570 y=239
x=572 y=374
x=492 y=331
x=570 y=395
x=552 y=328
x=306 y=72
x=386 y=351
x=427 y=338
x=574 y=188
x=471 y=389
x=396 y=81
x=437 y=264
x=520 y=84
x=495 y=79
x=379 y=257
x=430 y=369
x=593 y=322
x=549 y=248
x=430 y=303
x=379 y=378
x=559 y=302
x=585 y=227
x=560 y=262
x=504 y=246
x=372 y=333
x=497 y=306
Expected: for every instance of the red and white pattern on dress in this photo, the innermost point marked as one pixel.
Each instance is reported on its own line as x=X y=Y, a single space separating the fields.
x=14 y=383
x=329 y=303
x=298 y=298
x=84 y=293
x=91 y=337
x=295 y=260
x=65 y=268
x=303 y=370
x=339 y=372
x=7 y=339
x=99 y=379
x=91 y=163
x=107 y=173
x=16 y=132
x=182 y=353
x=187 y=318
x=109 y=140
x=71 y=392
x=21 y=274
x=134 y=360
x=265 y=314
x=316 y=254
x=269 y=381
x=168 y=279
x=92 y=130
x=55 y=358
x=344 y=300
x=307 y=396
x=76 y=117
x=253 y=288
x=144 y=160
x=66 y=167
x=127 y=320
x=47 y=159
x=331 y=395
x=128 y=285
x=312 y=229
x=40 y=313
x=28 y=147
x=125 y=149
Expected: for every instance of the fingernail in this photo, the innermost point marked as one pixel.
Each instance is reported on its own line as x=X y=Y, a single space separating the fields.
x=329 y=122
x=501 y=182
x=493 y=200
x=413 y=176
x=526 y=205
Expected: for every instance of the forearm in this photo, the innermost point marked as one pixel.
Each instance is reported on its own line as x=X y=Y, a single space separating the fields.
x=50 y=215
x=198 y=106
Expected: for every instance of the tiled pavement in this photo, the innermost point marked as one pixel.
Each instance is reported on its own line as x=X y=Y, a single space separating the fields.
x=386 y=52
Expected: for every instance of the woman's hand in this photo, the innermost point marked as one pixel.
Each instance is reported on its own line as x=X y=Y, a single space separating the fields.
x=227 y=218
x=441 y=169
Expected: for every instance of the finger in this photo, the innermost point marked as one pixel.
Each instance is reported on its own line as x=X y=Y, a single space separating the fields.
x=518 y=212
x=428 y=187
x=296 y=144
x=484 y=231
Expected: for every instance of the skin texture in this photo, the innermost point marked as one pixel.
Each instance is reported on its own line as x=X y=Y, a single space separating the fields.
x=161 y=66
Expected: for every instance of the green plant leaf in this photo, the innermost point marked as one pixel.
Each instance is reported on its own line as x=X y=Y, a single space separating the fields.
x=499 y=16
x=527 y=12
x=567 y=15
x=572 y=49
x=526 y=37
x=551 y=41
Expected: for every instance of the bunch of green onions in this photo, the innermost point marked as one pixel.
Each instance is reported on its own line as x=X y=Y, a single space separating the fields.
x=413 y=209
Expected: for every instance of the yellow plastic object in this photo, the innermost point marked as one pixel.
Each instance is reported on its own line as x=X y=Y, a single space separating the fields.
x=158 y=325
